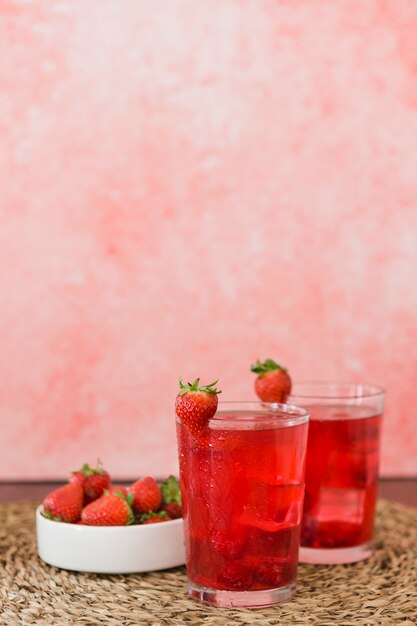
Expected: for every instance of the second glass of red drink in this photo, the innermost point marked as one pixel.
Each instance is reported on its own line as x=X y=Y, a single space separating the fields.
x=341 y=470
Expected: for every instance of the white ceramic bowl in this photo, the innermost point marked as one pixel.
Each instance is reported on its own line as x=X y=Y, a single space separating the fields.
x=110 y=549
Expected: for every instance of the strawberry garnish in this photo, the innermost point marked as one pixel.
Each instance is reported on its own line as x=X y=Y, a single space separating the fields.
x=110 y=510
x=64 y=504
x=196 y=404
x=146 y=495
x=273 y=383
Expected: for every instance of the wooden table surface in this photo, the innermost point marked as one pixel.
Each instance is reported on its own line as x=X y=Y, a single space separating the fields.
x=400 y=490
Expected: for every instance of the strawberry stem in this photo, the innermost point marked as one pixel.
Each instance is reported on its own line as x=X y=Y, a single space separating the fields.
x=88 y=471
x=151 y=514
x=53 y=518
x=266 y=366
x=195 y=386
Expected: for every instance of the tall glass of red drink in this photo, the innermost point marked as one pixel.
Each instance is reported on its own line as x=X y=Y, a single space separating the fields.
x=242 y=485
x=341 y=470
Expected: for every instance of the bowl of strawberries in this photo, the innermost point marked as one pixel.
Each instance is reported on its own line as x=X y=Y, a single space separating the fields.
x=92 y=525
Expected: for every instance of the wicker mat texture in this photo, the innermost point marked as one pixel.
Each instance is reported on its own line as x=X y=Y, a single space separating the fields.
x=382 y=590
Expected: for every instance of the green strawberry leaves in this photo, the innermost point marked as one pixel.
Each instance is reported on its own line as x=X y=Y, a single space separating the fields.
x=51 y=517
x=266 y=366
x=170 y=489
x=145 y=516
x=89 y=471
x=195 y=386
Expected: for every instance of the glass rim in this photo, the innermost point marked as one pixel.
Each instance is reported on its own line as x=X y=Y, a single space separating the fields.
x=288 y=414
x=370 y=390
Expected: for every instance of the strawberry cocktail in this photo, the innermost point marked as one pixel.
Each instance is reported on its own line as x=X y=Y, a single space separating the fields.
x=341 y=470
x=242 y=485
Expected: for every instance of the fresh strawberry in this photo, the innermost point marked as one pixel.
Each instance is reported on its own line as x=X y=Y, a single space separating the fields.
x=109 y=510
x=146 y=495
x=96 y=481
x=121 y=488
x=173 y=510
x=273 y=383
x=77 y=477
x=93 y=481
x=195 y=405
x=64 y=504
x=154 y=518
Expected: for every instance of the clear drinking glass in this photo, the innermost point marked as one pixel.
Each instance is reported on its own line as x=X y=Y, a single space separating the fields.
x=341 y=470
x=242 y=485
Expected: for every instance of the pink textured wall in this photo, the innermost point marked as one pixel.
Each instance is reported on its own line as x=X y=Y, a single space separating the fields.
x=186 y=186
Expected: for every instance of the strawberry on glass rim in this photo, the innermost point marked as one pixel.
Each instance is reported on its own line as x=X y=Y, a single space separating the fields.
x=273 y=383
x=196 y=404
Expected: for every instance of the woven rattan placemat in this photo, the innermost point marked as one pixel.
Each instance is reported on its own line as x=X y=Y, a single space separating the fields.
x=382 y=590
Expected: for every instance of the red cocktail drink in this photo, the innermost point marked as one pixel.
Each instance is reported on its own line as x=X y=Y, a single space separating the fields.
x=242 y=484
x=341 y=474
